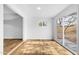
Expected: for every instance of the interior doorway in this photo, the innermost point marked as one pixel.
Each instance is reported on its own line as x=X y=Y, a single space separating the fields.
x=13 y=29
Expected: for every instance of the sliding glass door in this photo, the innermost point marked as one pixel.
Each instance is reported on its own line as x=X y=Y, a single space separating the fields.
x=70 y=31
x=67 y=28
x=59 y=30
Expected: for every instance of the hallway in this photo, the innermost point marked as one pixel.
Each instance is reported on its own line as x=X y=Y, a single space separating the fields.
x=38 y=47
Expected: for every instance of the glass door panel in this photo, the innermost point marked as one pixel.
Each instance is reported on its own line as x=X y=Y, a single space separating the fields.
x=59 y=31
x=70 y=22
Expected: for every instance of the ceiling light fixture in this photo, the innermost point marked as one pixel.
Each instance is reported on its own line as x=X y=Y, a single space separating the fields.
x=38 y=8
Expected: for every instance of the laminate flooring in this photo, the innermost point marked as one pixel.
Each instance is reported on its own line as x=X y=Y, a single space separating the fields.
x=9 y=44
x=41 y=47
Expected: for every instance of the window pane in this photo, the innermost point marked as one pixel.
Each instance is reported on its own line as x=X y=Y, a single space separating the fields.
x=70 y=31
x=59 y=31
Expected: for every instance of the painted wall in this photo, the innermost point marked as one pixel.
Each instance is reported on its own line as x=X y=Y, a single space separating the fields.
x=13 y=24
x=32 y=30
x=13 y=29
x=1 y=29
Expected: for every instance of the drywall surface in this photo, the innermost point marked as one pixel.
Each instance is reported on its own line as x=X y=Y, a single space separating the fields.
x=13 y=29
x=13 y=24
x=32 y=30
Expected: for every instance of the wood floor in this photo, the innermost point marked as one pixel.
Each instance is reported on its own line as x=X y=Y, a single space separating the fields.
x=9 y=44
x=39 y=48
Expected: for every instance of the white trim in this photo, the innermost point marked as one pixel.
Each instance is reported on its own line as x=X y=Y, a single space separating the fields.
x=77 y=27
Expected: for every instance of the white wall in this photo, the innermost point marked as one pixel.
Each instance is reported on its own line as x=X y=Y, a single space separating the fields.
x=33 y=31
x=13 y=29
x=13 y=24
x=1 y=29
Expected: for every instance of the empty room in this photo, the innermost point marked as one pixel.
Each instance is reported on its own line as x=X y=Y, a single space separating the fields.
x=41 y=29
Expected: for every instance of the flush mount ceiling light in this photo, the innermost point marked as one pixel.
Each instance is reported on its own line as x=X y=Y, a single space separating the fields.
x=38 y=8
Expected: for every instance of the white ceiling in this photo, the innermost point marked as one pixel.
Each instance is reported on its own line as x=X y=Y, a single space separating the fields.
x=10 y=14
x=30 y=10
